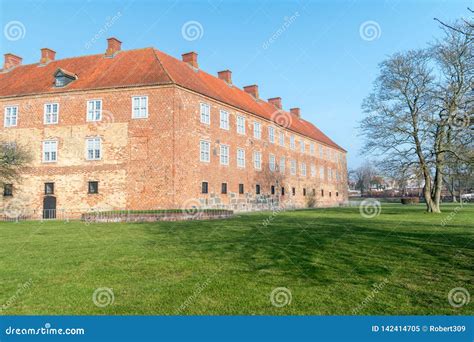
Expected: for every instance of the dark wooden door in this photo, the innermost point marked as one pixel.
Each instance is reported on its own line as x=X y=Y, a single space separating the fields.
x=49 y=207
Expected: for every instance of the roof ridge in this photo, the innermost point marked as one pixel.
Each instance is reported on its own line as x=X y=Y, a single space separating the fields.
x=82 y=56
x=165 y=70
x=149 y=66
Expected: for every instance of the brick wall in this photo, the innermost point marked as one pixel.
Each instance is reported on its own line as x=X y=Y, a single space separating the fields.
x=154 y=163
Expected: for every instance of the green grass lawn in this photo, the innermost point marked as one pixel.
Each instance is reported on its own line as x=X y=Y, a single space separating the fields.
x=333 y=261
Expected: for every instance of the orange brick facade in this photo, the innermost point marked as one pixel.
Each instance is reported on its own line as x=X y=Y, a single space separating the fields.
x=154 y=162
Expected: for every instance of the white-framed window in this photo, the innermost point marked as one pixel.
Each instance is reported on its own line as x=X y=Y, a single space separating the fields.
x=271 y=162
x=321 y=172
x=94 y=110
x=50 y=151
x=303 y=169
x=282 y=164
x=271 y=134
x=51 y=113
x=224 y=155
x=313 y=170
x=93 y=148
x=302 y=146
x=11 y=116
x=257 y=130
x=292 y=142
x=240 y=157
x=224 y=119
x=326 y=154
x=282 y=139
x=329 y=174
x=205 y=110
x=293 y=167
x=139 y=107
x=257 y=160
x=205 y=151
x=321 y=151
x=240 y=124
x=311 y=148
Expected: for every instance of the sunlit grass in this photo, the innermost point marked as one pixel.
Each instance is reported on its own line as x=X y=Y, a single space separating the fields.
x=330 y=259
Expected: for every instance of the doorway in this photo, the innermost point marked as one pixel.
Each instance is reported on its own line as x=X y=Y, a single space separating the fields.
x=49 y=207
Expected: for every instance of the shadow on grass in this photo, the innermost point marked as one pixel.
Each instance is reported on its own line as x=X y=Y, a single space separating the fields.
x=321 y=248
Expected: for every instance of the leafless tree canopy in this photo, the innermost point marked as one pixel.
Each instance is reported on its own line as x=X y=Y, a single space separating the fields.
x=420 y=110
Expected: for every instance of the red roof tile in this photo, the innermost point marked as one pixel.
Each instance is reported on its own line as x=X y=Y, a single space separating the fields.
x=145 y=67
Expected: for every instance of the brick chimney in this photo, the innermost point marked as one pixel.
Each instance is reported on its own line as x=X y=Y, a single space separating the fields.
x=252 y=90
x=113 y=46
x=11 y=61
x=226 y=76
x=47 y=55
x=296 y=112
x=276 y=101
x=191 y=58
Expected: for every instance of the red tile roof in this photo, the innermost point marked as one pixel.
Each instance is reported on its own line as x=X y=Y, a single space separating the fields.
x=140 y=68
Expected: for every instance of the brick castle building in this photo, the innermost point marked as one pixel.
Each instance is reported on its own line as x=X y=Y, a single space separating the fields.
x=140 y=129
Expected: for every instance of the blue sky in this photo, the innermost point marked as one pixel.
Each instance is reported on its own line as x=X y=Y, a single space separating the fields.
x=321 y=56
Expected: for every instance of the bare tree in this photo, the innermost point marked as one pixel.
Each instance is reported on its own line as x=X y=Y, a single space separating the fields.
x=363 y=176
x=466 y=28
x=12 y=159
x=417 y=112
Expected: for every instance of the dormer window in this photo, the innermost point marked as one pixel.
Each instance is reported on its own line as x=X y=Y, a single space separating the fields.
x=63 y=78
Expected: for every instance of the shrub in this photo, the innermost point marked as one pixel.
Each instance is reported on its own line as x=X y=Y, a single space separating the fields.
x=410 y=200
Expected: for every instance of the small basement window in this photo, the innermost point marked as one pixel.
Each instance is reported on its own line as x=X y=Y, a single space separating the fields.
x=241 y=189
x=93 y=187
x=224 y=188
x=48 y=188
x=204 y=187
x=257 y=189
x=8 y=190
